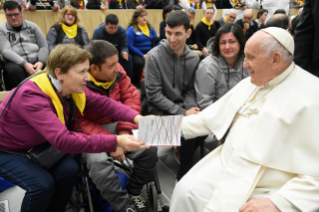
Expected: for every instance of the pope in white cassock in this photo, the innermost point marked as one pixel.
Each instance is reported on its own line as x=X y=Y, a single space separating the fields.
x=270 y=123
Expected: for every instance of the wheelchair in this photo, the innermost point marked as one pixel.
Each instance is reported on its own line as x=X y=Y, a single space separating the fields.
x=81 y=199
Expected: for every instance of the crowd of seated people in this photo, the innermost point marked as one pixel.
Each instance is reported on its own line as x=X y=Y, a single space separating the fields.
x=202 y=64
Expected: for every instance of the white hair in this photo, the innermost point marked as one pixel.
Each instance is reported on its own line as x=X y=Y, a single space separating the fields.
x=249 y=10
x=271 y=45
x=232 y=11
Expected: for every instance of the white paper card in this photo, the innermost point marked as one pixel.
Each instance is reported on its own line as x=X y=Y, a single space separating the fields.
x=160 y=130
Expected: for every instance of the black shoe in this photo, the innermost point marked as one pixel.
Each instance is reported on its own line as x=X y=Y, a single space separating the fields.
x=139 y=202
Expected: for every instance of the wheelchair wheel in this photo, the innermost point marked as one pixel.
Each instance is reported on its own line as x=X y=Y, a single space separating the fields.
x=153 y=196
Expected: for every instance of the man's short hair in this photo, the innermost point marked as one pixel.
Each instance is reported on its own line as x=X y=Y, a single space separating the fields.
x=11 y=5
x=261 y=12
x=249 y=10
x=232 y=11
x=209 y=8
x=191 y=11
x=101 y=50
x=280 y=11
x=111 y=19
x=167 y=9
x=178 y=18
x=278 y=20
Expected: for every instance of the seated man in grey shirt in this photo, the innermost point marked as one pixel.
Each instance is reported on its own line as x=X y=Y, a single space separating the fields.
x=22 y=45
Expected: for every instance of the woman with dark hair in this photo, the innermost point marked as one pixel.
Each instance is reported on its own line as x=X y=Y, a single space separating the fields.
x=294 y=23
x=141 y=38
x=67 y=30
x=166 y=11
x=221 y=71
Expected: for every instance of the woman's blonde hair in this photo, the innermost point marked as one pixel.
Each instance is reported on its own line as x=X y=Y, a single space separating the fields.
x=64 y=56
x=72 y=11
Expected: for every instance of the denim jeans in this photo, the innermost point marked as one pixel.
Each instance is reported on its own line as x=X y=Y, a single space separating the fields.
x=45 y=190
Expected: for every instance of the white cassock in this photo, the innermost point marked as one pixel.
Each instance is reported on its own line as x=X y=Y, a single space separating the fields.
x=271 y=150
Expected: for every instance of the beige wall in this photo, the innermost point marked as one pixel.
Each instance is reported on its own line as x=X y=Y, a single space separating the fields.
x=92 y=18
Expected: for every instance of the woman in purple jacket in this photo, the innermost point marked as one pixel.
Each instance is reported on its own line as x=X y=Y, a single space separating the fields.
x=37 y=114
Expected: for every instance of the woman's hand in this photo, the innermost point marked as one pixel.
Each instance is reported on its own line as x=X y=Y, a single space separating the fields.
x=137 y=119
x=129 y=143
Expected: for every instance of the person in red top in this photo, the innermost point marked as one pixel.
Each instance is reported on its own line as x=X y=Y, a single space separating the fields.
x=109 y=78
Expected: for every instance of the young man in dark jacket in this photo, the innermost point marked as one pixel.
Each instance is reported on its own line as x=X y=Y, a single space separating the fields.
x=108 y=78
x=169 y=80
x=114 y=33
x=205 y=30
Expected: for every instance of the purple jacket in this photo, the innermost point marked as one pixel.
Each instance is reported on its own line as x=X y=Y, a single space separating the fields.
x=31 y=119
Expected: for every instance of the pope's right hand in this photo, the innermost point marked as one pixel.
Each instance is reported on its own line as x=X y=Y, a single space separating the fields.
x=130 y=143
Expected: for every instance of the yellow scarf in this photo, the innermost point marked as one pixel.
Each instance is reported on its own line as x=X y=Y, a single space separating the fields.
x=226 y=20
x=210 y=4
x=235 y=2
x=70 y=31
x=206 y=22
x=144 y=29
x=299 y=1
x=104 y=85
x=120 y=3
x=44 y=84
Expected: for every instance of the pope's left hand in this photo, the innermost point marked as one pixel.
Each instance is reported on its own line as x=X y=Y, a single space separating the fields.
x=261 y=205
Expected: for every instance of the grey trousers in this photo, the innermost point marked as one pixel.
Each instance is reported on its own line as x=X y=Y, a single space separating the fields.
x=101 y=170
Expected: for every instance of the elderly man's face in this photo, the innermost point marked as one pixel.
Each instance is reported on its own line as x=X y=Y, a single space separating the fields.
x=248 y=16
x=257 y=64
x=231 y=17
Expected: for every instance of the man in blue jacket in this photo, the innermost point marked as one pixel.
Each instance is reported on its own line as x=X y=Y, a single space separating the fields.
x=114 y=33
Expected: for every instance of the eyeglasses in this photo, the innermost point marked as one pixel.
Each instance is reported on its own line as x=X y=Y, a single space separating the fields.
x=13 y=15
x=67 y=14
x=142 y=15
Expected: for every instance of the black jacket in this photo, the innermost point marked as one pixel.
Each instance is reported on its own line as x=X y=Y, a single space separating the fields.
x=202 y=34
x=307 y=38
x=252 y=29
x=156 y=4
x=93 y=5
x=191 y=40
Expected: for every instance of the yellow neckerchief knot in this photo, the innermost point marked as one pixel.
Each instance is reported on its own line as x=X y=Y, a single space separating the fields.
x=226 y=20
x=70 y=31
x=43 y=82
x=104 y=85
x=144 y=29
x=120 y=2
x=204 y=20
